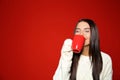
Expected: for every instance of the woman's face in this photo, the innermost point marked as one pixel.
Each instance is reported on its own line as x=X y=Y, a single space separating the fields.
x=83 y=28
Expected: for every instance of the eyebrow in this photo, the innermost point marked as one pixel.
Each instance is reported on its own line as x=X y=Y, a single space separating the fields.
x=84 y=28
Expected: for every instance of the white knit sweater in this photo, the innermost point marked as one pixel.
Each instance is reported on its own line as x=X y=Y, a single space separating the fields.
x=84 y=70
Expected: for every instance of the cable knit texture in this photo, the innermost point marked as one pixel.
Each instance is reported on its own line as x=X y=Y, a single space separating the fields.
x=84 y=71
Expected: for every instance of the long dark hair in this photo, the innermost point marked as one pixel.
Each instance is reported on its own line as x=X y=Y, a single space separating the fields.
x=94 y=51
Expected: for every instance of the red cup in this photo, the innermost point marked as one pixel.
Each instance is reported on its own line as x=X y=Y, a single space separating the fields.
x=77 y=43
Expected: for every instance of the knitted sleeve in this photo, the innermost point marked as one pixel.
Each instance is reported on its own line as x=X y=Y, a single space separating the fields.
x=63 y=69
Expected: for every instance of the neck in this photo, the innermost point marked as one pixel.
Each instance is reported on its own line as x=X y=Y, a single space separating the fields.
x=85 y=51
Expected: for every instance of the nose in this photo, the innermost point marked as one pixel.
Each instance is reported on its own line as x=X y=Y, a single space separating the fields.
x=81 y=33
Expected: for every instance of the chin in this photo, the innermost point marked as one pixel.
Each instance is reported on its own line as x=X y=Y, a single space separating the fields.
x=86 y=45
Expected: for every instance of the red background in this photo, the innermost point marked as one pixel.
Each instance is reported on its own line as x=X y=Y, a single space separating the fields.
x=32 y=33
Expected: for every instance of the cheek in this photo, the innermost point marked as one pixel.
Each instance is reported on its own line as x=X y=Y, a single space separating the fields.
x=87 y=37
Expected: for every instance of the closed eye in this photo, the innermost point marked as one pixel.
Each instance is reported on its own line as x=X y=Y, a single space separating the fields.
x=77 y=31
x=87 y=31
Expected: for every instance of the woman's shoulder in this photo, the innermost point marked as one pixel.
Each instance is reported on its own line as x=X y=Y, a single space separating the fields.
x=107 y=66
x=106 y=57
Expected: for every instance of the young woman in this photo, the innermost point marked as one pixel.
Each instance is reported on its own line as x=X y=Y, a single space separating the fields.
x=90 y=63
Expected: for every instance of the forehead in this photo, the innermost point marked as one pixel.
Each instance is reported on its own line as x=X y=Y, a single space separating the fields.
x=83 y=25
